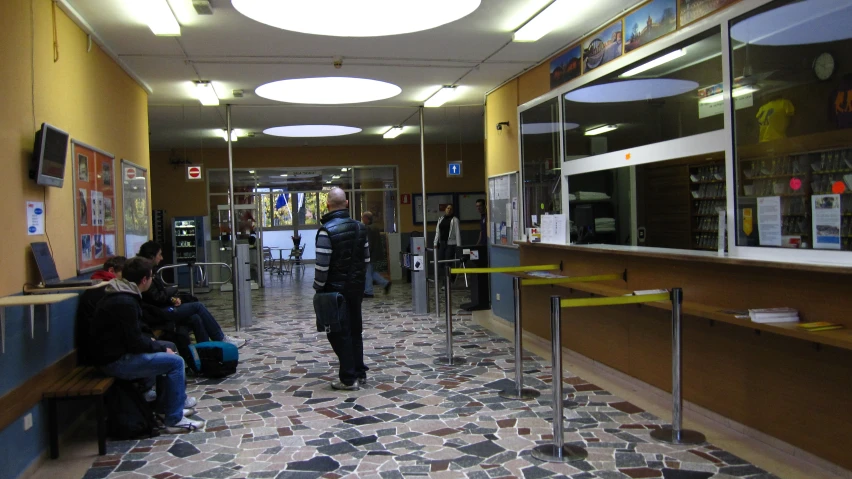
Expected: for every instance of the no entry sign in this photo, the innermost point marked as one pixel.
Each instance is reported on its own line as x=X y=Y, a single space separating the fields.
x=193 y=172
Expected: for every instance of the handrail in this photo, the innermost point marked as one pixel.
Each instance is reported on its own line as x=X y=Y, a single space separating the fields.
x=569 y=279
x=506 y=269
x=192 y=267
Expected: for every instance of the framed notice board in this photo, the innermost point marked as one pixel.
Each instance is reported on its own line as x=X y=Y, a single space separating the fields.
x=504 y=209
x=93 y=173
x=466 y=204
x=135 y=203
x=435 y=203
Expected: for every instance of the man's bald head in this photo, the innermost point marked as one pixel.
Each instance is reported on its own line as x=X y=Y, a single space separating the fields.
x=336 y=200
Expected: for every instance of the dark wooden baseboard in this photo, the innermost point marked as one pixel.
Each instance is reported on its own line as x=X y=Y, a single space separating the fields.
x=24 y=397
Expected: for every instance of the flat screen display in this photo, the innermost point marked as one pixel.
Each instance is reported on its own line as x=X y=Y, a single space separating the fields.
x=49 y=154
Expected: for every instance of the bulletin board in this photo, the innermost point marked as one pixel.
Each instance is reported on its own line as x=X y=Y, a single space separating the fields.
x=434 y=206
x=135 y=203
x=466 y=204
x=94 y=206
x=504 y=209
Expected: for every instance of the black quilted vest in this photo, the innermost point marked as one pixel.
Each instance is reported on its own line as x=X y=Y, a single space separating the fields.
x=342 y=231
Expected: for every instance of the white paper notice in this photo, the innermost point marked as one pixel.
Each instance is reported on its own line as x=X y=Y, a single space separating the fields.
x=516 y=216
x=826 y=223
x=501 y=188
x=534 y=219
x=35 y=218
x=553 y=229
x=769 y=220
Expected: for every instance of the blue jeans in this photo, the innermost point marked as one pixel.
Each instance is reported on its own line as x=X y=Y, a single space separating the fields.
x=196 y=316
x=372 y=277
x=169 y=371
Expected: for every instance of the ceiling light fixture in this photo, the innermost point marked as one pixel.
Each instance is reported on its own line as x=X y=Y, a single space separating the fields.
x=328 y=90
x=206 y=94
x=655 y=63
x=224 y=134
x=393 y=132
x=159 y=17
x=365 y=18
x=344 y=169
x=328 y=182
x=251 y=172
x=445 y=94
x=311 y=131
x=631 y=90
x=600 y=129
x=544 y=22
x=284 y=175
x=738 y=92
x=335 y=177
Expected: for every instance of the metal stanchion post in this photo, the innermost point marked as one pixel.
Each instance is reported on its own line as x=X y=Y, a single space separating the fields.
x=449 y=360
x=674 y=434
x=191 y=279
x=436 y=283
x=558 y=451
x=518 y=392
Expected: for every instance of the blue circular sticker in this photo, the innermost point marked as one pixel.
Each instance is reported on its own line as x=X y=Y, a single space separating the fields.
x=38 y=211
x=32 y=229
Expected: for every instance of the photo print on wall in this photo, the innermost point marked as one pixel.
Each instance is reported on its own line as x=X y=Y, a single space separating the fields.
x=603 y=47
x=84 y=207
x=649 y=22
x=83 y=168
x=566 y=67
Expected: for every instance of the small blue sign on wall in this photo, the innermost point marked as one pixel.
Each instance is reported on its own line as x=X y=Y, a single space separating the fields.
x=454 y=169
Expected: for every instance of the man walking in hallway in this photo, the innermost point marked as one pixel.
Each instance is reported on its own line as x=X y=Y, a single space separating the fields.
x=343 y=251
x=376 y=252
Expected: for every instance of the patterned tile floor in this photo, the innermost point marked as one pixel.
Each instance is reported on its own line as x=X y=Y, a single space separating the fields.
x=278 y=418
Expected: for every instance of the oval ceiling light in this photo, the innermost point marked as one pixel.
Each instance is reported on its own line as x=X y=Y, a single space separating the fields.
x=311 y=131
x=631 y=90
x=328 y=90
x=365 y=18
x=800 y=23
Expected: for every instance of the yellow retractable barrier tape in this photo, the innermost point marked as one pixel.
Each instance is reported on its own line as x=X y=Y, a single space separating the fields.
x=609 y=301
x=505 y=269
x=574 y=279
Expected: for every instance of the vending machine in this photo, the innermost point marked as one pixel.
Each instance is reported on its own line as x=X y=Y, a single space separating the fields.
x=189 y=245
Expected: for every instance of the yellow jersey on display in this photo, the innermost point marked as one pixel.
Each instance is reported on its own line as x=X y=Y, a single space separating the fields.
x=774 y=118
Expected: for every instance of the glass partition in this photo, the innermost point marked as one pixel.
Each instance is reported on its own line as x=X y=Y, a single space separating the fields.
x=793 y=143
x=542 y=177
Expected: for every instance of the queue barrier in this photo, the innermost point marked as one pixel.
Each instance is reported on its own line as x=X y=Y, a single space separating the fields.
x=675 y=434
x=192 y=268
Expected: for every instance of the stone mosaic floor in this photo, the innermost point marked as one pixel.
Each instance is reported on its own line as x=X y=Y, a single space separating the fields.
x=278 y=417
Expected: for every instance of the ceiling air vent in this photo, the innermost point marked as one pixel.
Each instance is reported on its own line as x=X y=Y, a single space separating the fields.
x=203 y=7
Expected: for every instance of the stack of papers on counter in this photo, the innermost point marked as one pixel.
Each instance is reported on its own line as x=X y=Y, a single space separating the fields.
x=774 y=315
x=604 y=225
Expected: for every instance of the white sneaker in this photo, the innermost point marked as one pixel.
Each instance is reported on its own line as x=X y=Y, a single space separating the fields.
x=190 y=402
x=185 y=425
x=238 y=342
x=151 y=395
x=188 y=411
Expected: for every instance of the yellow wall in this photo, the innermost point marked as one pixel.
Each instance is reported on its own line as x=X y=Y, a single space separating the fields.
x=179 y=197
x=85 y=94
x=501 y=147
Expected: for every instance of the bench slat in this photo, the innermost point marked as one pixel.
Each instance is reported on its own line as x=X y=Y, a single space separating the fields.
x=58 y=387
x=87 y=387
x=83 y=381
x=68 y=388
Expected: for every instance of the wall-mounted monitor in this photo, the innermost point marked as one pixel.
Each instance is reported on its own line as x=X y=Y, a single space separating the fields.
x=49 y=153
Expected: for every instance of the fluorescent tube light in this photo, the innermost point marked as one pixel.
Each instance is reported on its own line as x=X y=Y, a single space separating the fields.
x=284 y=175
x=206 y=94
x=224 y=135
x=445 y=94
x=600 y=129
x=393 y=132
x=738 y=92
x=344 y=169
x=335 y=177
x=544 y=22
x=159 y=17
x=251 y=172
x=655 y=62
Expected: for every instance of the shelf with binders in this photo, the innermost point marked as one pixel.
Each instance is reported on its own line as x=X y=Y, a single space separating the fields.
x=708 y=189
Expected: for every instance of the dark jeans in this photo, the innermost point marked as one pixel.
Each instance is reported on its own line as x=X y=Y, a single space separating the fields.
x=446 y=251
x=348 y=344
x=197 y=318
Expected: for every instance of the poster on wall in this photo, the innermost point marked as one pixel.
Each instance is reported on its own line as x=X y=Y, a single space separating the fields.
x=649 y=22
x=691 y=10
x=93 y=183
x=826 y=222
x=566 y=67
x=435 y=204
x=134 y=195
x=602 y=47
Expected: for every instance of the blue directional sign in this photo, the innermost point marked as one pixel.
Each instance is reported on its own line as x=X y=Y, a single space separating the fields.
x=454 y=169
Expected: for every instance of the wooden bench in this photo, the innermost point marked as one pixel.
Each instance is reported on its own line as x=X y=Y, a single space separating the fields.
x=82 y=382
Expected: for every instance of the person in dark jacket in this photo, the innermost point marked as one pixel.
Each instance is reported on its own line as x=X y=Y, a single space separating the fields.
x=87 y=305
x=127 y=353
x=343 y=251
x=192 y=315
x=375 y=239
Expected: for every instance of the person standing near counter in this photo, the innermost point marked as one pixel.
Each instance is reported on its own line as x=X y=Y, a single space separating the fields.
x=447 y=237
x=483 y=222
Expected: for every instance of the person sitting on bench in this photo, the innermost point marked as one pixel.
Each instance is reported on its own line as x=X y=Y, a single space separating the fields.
x=126 y=353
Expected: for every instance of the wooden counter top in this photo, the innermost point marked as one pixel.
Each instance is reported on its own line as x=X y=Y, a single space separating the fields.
x=692 y=256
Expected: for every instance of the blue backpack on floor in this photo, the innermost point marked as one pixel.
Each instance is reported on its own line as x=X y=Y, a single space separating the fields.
x=215 y=359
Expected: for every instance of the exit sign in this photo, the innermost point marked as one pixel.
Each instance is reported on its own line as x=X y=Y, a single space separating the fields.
x=454 y=169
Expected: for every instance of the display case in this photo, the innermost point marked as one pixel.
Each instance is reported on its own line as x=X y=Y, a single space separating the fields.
x=707 y=188
x=188 y=245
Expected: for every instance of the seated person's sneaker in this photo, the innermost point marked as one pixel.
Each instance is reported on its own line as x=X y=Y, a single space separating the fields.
x=238 y=342
x=190 y=402
x=188 y=411
x=184 y=425
x=338 y=385
x=151 y=395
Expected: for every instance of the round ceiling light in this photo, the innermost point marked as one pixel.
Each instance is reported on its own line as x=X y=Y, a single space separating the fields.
x=631 y=90
x=311 y=131
x=800 y=23
x=365 y=18
x=328 y=90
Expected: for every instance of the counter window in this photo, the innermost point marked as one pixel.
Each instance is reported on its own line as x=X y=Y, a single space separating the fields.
x=542 y=177
x=791 y=65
